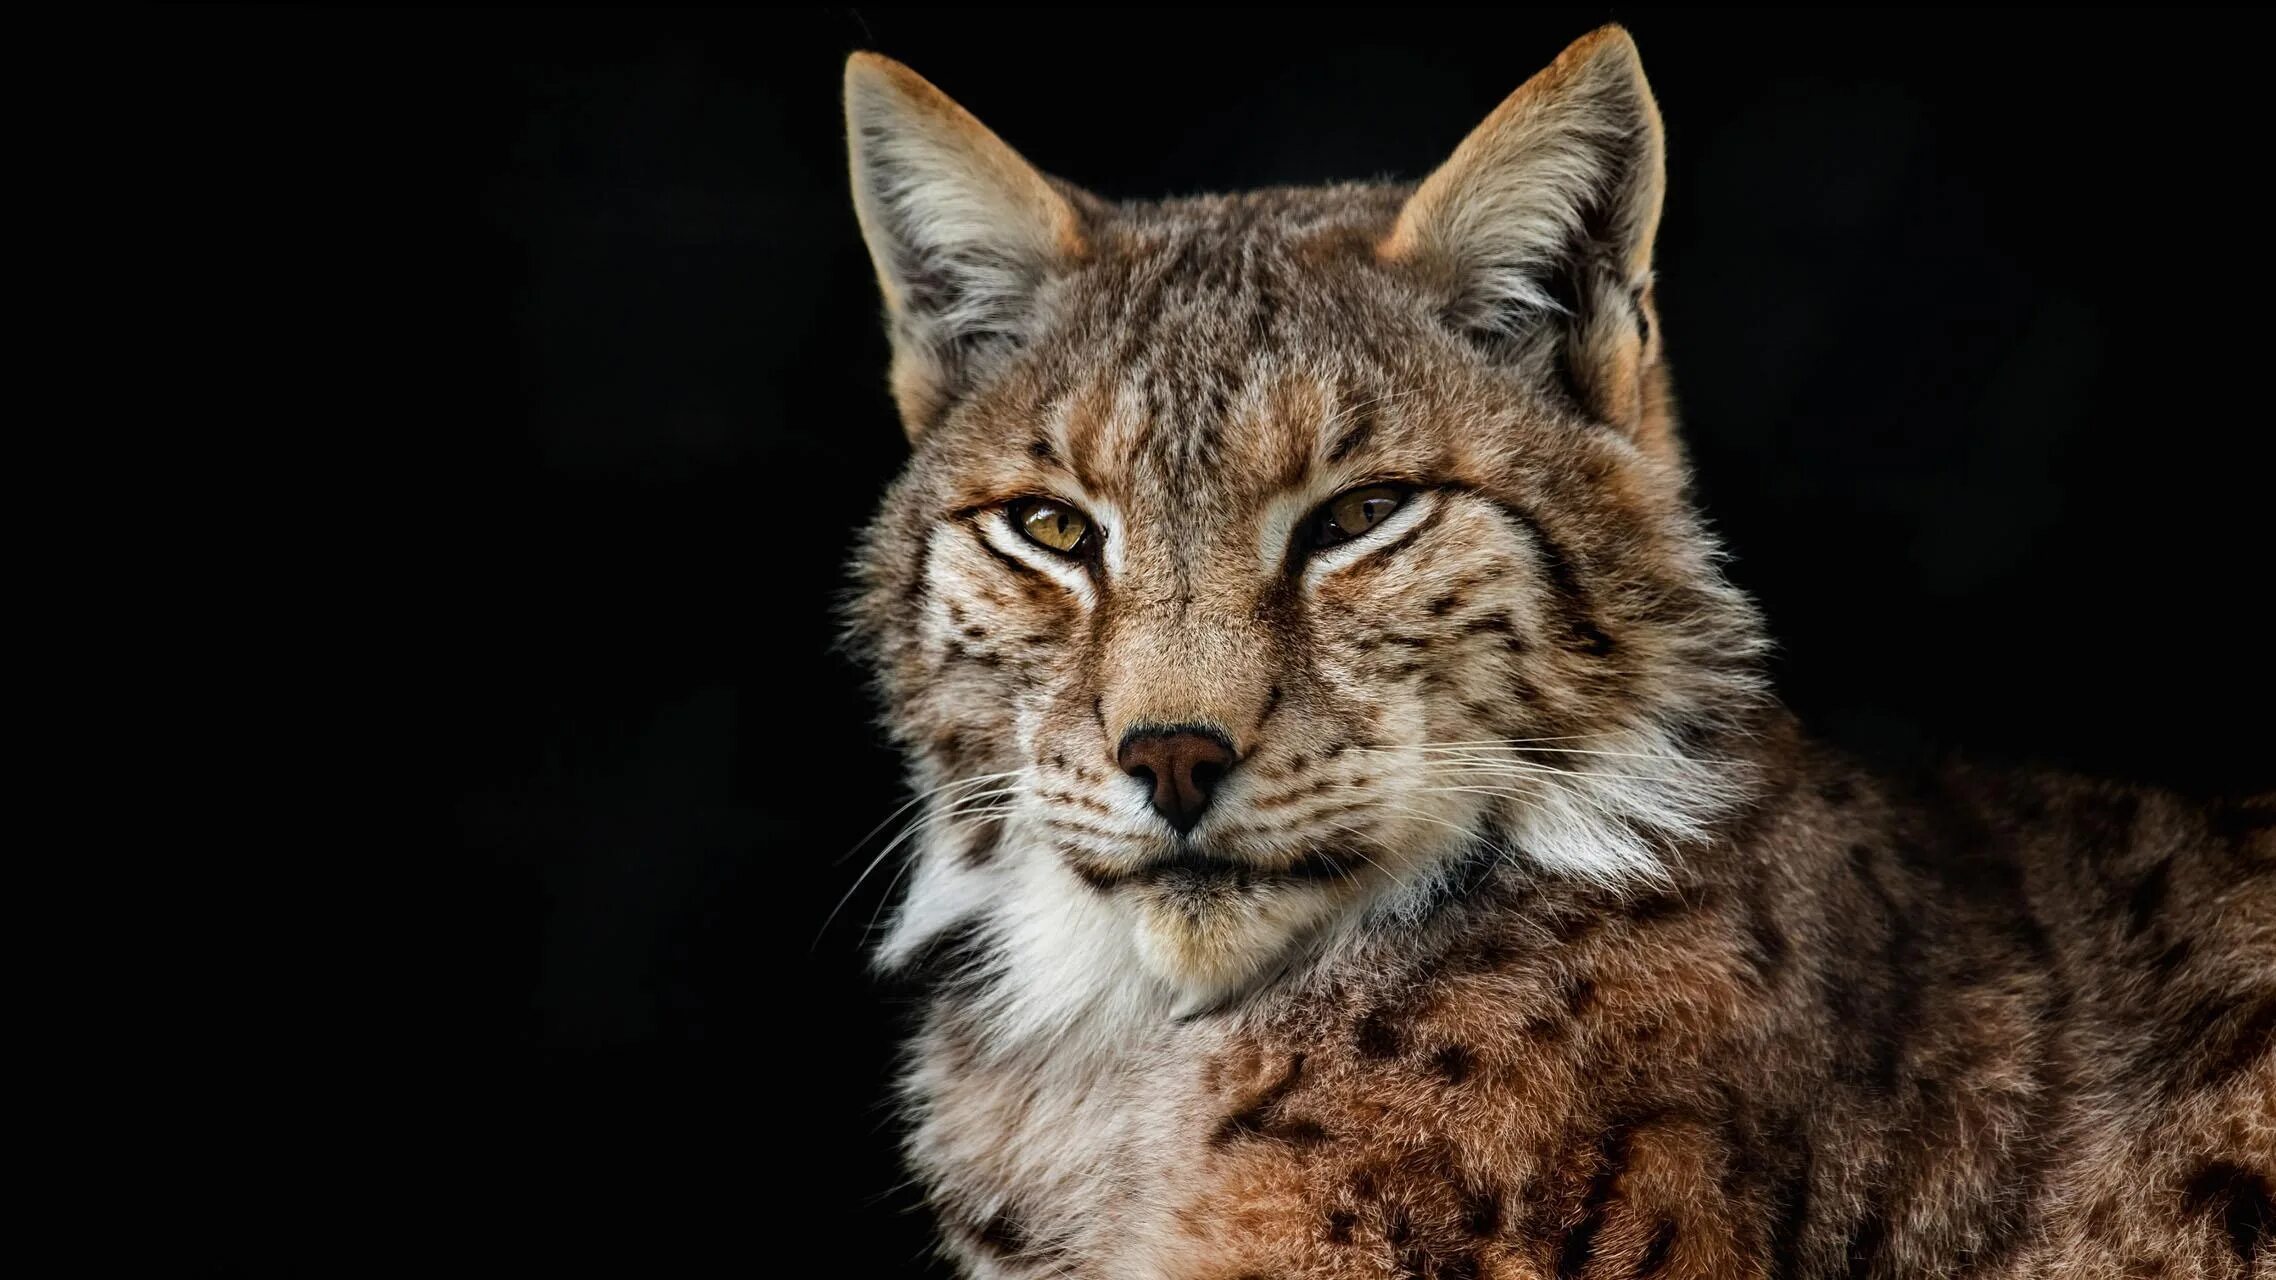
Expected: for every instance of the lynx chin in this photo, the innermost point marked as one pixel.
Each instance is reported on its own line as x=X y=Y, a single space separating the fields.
x=1355 y=837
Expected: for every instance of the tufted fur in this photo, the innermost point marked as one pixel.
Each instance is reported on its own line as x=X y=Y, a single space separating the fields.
x=1529 y=937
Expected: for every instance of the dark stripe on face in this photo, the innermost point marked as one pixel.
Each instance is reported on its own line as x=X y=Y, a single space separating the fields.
x=1271 y=704
x=1375 y=560
x=1354 y=436
x=1319 y=864
x=980 y=846
x=1557 y=562
x=1189 y=864
x=1092 y=874
x=1012 y=563
x=920 y=583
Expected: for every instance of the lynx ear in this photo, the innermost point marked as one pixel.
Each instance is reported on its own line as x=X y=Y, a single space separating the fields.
x=962 y=231
x=1538 y=230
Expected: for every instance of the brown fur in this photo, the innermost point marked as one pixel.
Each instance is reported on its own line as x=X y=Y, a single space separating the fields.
x=1529 y=937
x=1884 y=1033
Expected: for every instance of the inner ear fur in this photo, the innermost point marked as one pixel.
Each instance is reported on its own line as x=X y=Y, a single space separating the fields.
x=1538 y=231
x=963 y=232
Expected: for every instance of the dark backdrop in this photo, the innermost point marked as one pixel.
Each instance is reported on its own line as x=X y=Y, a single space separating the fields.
x=570 y=312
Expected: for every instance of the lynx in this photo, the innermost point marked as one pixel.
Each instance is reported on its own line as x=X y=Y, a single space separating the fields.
x=1355 y=836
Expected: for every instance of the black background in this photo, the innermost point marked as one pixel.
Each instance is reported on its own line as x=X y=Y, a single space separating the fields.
x=555 y=336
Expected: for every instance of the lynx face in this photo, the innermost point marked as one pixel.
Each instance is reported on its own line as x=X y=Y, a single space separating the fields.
x=1269 y=561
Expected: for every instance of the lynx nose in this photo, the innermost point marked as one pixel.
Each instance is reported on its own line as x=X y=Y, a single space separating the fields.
x=1182 y=765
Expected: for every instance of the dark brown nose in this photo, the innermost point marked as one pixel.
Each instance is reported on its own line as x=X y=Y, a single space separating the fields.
x=1183 y=766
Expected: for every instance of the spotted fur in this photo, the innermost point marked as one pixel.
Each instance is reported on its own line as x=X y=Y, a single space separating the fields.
x=1529 y=936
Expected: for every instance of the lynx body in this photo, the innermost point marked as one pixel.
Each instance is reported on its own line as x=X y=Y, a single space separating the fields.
x=1358 y=839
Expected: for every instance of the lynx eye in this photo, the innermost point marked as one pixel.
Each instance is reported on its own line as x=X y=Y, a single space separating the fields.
x=1054 y=525
x=1350 y=514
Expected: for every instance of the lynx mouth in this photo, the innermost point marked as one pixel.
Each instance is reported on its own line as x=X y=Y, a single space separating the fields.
x=1198 y=868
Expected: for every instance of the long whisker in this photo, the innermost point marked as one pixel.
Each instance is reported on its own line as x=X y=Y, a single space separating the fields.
x=1417 y=813
x=1480 y=742
x=1520 y=752
x=1503 y=766
x=908 y=833
x=984 y=813
x=1471 y=791
x=918 y=799
x=929 y=822
x=1519 y=745
x=1616 y=770
x=1347 y=827
x=1504 y=854
x=1704 y=787
x=1510 y=766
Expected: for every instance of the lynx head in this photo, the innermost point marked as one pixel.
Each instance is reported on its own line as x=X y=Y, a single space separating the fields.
x=1274 y=563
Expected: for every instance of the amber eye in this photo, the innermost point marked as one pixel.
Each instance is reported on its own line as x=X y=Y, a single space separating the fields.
x=1348 y=515
x=1054 y=525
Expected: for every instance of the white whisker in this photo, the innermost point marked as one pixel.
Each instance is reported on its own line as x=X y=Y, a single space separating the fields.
x=983 y=814
x=918 y=799
x=921 y=825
